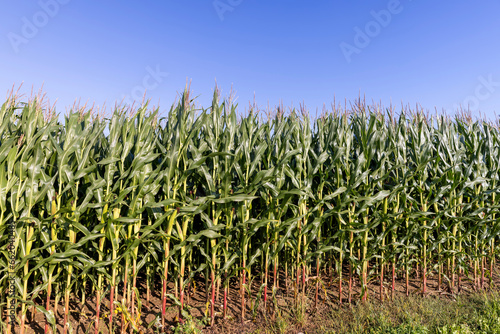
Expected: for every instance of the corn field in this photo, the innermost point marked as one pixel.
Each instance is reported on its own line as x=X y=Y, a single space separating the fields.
x=95 y=207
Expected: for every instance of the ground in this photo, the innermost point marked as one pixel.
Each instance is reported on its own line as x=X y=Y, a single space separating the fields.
x=283 y=315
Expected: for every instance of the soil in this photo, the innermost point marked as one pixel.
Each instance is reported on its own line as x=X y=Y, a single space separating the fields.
x=82 y=316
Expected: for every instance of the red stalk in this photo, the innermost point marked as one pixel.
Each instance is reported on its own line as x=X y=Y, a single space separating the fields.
x=317 y=285
x=47 y=307
x=98 y=311
x=350 y=283
x=225 y=303
x=407 y=283
x=482 y=273
x=111 y=309
x=424 y=280
x=212 y=309
x=182 y=306
x=382 y=283
x=393 y=278
x=164 y=302
x=243 y=296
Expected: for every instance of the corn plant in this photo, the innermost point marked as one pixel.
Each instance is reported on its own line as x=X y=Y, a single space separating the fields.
x=359 y=195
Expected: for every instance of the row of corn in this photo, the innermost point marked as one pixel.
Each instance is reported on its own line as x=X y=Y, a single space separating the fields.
x=97 y=207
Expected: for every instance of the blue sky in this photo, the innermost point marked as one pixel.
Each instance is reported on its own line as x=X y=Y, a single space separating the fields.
x=438 y=54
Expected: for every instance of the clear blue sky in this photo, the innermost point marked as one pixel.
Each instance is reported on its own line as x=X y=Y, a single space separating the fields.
x=436 y=53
